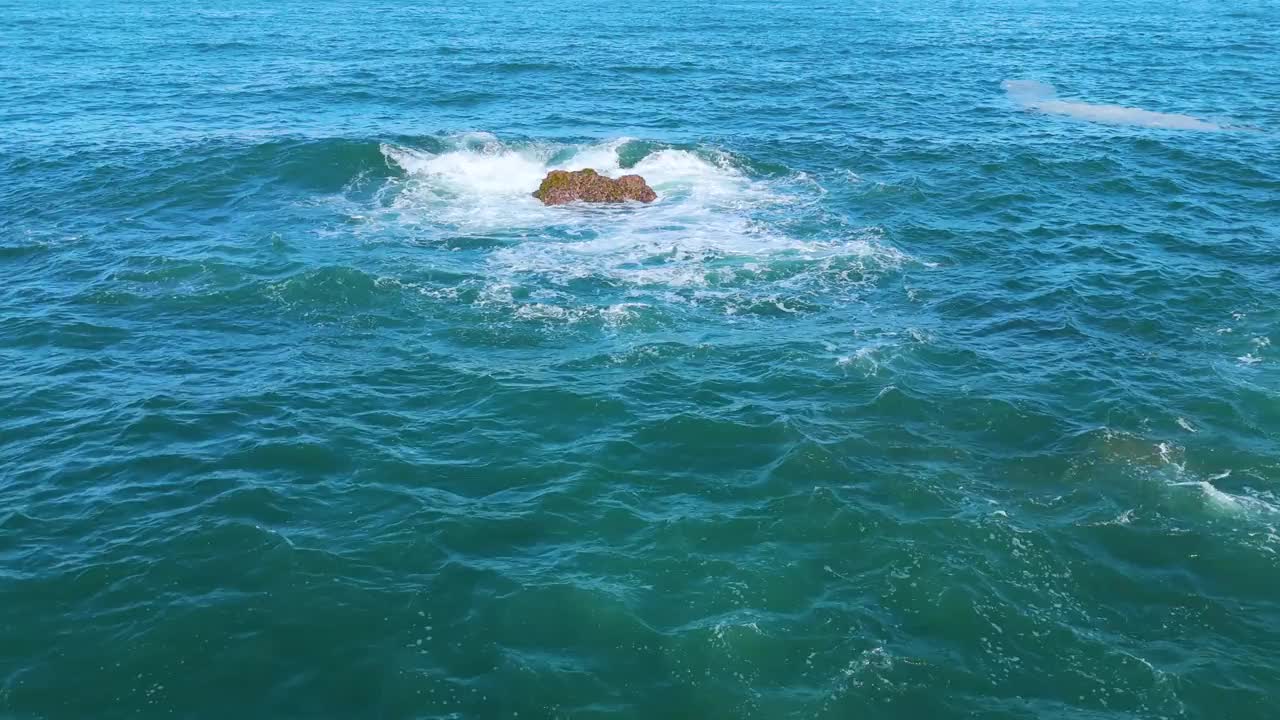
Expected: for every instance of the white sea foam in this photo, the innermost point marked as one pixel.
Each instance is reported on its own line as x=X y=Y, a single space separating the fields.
x=472 y=188
x=705 y=233
x=1218 y=500
x=1223 y=501
x=1183 y=493
x=1043 y=97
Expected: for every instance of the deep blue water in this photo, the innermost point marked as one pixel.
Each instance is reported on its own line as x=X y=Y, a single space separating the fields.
x=938 y=382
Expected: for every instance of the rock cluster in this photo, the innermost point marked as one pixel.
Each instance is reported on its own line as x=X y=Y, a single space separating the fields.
x=566 y=186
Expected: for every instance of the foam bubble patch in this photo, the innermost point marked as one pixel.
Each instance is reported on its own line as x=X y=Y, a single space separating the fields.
x=715 y=236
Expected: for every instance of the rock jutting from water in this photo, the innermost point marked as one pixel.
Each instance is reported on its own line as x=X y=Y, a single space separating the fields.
x=566 y=186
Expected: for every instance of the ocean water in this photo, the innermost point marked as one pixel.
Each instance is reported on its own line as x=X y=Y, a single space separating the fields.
x=942 y=380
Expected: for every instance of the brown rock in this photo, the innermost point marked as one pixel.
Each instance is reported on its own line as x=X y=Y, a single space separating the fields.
x=565 y=186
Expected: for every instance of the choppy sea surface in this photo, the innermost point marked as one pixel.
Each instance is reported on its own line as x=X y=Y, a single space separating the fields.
x=942 y=380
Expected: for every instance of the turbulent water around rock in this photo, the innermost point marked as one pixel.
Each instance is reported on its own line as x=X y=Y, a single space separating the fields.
x=939 y=380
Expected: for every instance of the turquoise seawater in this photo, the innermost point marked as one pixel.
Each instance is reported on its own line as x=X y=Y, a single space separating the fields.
x=942 y=381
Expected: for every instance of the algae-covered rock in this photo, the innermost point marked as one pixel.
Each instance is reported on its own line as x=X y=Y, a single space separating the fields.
x=566 y=186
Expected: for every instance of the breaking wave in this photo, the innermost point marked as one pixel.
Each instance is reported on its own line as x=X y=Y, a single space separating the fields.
x=715 y=234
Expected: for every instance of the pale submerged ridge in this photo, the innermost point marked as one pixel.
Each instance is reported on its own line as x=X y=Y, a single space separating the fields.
x=1040 y=96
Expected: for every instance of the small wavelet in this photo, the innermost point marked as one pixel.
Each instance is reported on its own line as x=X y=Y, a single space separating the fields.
x=1043 y=97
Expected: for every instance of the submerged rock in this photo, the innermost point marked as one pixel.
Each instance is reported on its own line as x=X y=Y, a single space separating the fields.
x=565 y=186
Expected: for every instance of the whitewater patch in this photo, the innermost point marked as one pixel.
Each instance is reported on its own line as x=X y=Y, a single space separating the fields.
x=1043 y=97
x=1226 y=502
x=714 y=235
x=1176 y=475
x=1185 y=492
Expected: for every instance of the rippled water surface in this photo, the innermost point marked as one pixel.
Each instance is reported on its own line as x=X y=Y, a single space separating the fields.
x=938 y=383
